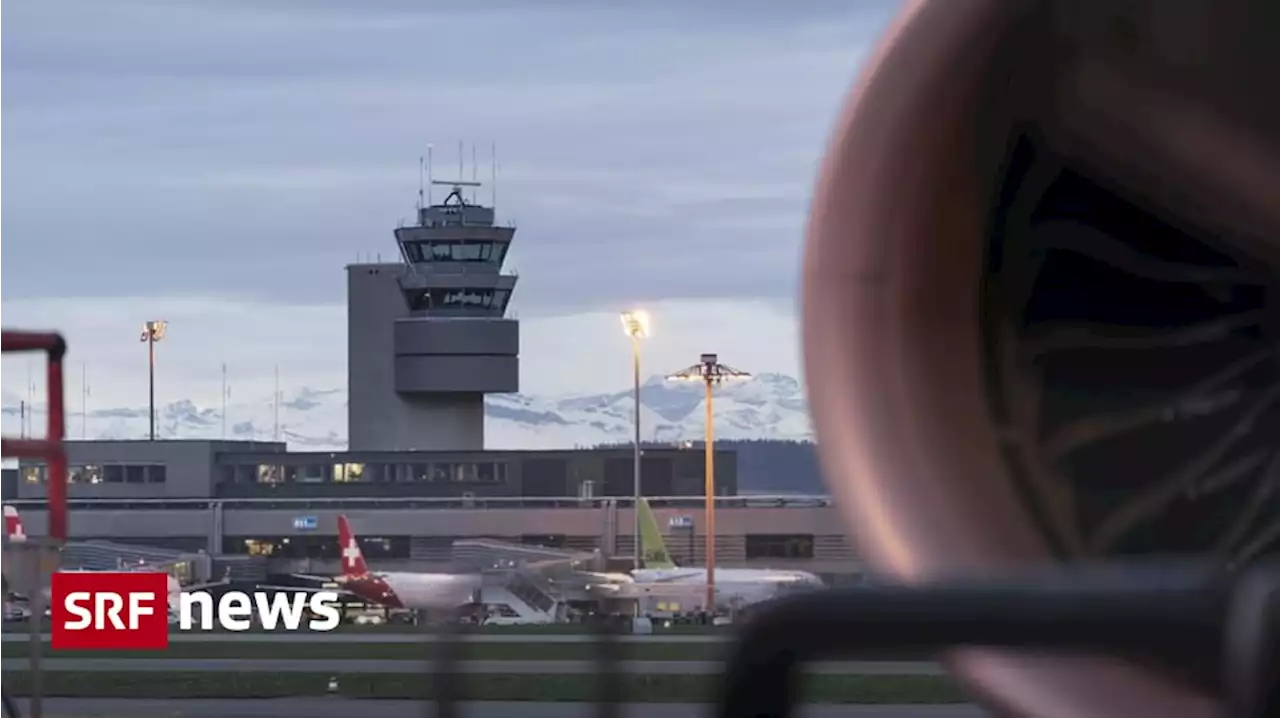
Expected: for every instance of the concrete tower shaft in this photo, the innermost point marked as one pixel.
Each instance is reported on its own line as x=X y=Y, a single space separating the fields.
x=427 y=336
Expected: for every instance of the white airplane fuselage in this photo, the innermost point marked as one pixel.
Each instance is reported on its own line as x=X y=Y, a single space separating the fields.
x=747 y=585
x=414 y=590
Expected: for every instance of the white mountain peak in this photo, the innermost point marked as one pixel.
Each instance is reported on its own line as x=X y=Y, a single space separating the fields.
x=768 y=406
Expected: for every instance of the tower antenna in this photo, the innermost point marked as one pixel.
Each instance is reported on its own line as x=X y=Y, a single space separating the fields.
x=226 y=391
x=421 y=181
x=474 y=177
x=430 y=181
x=84 y=401
x=461 y=169
x=276 y=406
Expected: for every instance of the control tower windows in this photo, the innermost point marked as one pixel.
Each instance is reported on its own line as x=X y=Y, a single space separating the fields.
x=455 y=251
x=459 y=299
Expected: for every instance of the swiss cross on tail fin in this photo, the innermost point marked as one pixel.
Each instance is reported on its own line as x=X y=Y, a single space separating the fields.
x=352 y=559
x=13 y=529
x=653 y=549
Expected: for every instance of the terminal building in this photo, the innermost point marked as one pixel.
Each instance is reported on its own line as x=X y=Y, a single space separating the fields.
x=428 y=338
x=262 y=509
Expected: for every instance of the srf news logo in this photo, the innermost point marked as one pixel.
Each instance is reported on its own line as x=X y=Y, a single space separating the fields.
x=131 y=611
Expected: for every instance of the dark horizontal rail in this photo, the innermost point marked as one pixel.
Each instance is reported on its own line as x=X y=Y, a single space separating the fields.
x=1174 y=613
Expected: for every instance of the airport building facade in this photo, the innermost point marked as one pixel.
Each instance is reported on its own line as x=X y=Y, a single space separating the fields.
x=261 y=509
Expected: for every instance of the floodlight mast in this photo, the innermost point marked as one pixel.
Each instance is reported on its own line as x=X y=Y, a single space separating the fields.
x=635 y=323
x=152 y=332
x=710 y=372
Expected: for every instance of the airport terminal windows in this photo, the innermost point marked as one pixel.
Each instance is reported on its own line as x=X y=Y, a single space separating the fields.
x=100 y=473
x=439 y=298
x=455 y=251
x=779 y=546
x=436 y=472
x=348 y=472
x=315 y=546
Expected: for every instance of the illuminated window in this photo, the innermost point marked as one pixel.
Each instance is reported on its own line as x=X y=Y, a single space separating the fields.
x=348 y=472
x=439 y=298
x=255 y=547
x=33 y=474
x=88 y=474
x=270 y=474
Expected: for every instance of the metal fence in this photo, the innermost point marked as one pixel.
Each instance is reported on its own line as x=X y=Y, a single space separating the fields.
x=1175 y=615
x=1219 y=621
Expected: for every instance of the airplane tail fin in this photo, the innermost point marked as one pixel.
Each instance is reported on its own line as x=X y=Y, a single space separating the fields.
x=352 y=559
x=653 y=549
x=13 y=525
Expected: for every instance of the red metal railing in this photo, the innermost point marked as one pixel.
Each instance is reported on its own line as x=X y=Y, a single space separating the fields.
x=50 y=448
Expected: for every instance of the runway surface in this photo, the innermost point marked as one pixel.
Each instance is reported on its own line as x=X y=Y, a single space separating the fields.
x=345 y=708
x=281 y=637
x=299 y=665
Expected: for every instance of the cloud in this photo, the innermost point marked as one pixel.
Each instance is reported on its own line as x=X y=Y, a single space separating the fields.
x=218 y=163
x=248 y=149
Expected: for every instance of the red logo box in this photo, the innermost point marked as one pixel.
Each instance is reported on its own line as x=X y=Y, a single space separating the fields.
x=110 y=611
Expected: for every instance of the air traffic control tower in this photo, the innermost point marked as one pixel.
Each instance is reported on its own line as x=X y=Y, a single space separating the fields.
x=427 y=337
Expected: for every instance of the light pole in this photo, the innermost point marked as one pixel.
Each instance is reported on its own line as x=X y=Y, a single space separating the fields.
x=635 y=323
x=710 y=372
x=152 y=332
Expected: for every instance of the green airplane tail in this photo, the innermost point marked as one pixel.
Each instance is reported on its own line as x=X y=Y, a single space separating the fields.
x=653 y=549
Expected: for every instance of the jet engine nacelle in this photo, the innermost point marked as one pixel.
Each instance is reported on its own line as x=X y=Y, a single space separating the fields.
x=1042 y=306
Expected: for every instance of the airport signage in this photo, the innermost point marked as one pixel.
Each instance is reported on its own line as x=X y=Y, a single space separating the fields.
x=306 y=523
x=680 y=522
x=133 y=610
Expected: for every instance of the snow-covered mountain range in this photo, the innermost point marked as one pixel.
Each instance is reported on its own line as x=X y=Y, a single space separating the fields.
x=768 y=406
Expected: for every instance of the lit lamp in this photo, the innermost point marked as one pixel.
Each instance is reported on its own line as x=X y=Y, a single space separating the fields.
x=635 y=323
x=152 y=332
x=710 y=372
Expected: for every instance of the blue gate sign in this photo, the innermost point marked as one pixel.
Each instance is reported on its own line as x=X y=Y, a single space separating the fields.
x=680 y=522
x=306 y=523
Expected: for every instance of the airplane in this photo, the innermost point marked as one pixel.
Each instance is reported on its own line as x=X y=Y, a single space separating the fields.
x=13 y=525
x=742 y=586
x=15 y=532
x=395 y=589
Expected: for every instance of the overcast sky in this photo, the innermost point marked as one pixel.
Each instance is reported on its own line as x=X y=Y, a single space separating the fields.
x=217 y=162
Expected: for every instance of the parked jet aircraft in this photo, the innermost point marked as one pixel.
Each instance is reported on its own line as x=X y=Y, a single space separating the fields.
x=396 y=589
x=734 y=586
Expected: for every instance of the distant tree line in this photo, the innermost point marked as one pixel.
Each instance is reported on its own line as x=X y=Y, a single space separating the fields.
x=770 y=466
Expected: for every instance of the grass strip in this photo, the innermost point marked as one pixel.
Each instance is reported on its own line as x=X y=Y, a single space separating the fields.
x=524 y=651
x=655 y=688
x=516 y=651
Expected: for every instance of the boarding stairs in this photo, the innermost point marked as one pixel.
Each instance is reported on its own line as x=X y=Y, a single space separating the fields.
x=113 y=556
x=526 y=594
